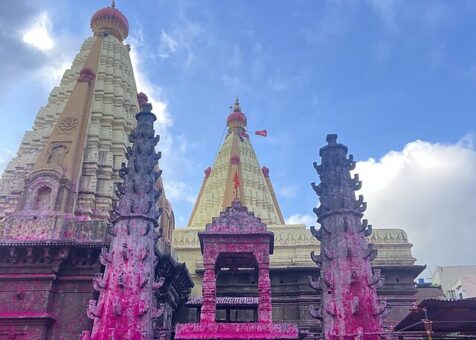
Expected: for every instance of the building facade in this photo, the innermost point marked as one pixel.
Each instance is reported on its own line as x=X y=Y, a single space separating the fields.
x=456 y=282
x=291 y=264
x=57 y=194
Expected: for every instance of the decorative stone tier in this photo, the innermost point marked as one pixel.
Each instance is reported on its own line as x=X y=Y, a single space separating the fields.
x=227 y=301
x=113 y=105
x=53 y=229
x=292 y=244
x=250 y=331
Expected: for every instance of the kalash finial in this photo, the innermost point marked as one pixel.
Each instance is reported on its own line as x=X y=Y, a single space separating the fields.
x=113 y=4
x=237 y=107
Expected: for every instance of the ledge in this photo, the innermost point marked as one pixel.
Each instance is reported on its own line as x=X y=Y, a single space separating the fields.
x=236 y=331
x=15 y=316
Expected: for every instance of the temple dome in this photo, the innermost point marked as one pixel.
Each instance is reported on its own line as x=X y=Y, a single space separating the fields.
x=236 y=119
x=110 y=20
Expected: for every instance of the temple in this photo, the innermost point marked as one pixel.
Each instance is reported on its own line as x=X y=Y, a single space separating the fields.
x=89 y=249
x=291 y=266
x=56 y=199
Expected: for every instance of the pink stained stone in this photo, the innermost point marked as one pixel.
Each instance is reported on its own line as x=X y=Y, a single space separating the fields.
x=236 y=231
x=350 y=308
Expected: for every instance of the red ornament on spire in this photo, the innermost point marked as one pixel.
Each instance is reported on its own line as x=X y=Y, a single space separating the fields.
x=236 y=182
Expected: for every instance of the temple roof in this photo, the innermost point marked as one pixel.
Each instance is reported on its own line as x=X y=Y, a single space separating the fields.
x=110 y=20
x=236 y=161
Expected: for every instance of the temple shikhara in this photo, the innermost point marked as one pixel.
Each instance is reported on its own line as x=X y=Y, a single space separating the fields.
x=89 y=248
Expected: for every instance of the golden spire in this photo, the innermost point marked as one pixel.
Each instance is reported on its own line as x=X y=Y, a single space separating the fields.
x=237 y=107
x=236 y=173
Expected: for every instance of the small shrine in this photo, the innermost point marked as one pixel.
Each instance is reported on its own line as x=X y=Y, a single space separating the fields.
x=236 y=240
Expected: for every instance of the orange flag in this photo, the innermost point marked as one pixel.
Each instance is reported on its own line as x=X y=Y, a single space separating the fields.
x=262 y=133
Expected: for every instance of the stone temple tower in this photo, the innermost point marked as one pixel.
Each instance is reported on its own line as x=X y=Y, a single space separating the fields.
x=57 y=194
x=67 y=164
x=79 y=138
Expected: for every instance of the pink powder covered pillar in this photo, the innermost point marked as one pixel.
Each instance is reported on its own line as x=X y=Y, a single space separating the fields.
x=209 y=290
x=350 y=307
x=126 y=308
x=264 y=288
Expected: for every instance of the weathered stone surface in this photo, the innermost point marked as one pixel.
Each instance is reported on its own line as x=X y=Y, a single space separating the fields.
x=110 y=123
x=44 y=287
x=126 y=308
x=349 y=304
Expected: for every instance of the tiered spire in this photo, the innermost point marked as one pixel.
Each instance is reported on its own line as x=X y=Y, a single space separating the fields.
x=110 y=20
x=350 y=308
x=126 y=307
x=236 y=162
x=236 y=107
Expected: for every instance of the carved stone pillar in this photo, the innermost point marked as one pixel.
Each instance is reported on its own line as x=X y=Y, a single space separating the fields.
x=209 y=294
x=264 y=289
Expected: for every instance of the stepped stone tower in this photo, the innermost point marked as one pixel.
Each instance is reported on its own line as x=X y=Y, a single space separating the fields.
x=350 y=308
x=66 y=167
x=80 y=137
x=236 y=156
x=56 y=196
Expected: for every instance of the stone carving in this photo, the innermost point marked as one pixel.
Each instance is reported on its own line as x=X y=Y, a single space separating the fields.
x=86 y=75
x=350 y=300
x=68 y=123
x=295 y=236
x=129 y=266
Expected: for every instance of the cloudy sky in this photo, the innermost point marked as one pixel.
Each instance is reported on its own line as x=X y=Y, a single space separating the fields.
x=396 y=80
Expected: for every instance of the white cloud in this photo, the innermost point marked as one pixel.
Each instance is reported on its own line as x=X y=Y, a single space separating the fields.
x=38 y=33
x=152 y=91
x=429 y=190
x=58 y=50
x=168 y=45
x=286 y=191
x=177 y=190
x=175 y=148
x=306 y=219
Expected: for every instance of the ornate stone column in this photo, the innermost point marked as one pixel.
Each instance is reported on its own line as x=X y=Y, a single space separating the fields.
x=264 y=288
x=209 y=289
x=350 y=307
x=127 y=307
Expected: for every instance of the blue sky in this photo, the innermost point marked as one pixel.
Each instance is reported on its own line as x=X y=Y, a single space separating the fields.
x=395 y=79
